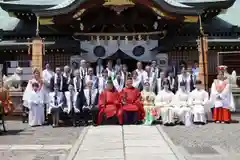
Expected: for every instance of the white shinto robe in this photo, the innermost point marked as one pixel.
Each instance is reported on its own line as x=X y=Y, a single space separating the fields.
x=36 y=115
x=99 y=69
x=198 y=100
x=52 y=101
x=68 y=101
x=180 y=104
x=118 y=86
x=186 y=79
x=163 y=101
x=101 y=84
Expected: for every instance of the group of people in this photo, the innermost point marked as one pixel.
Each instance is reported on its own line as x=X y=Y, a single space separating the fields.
x=113 y=94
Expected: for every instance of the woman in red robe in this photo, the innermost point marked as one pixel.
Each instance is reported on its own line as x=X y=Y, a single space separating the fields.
x=109 y=104
x=133 y=110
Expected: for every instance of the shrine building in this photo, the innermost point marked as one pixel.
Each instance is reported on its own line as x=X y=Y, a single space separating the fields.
x=46 y=31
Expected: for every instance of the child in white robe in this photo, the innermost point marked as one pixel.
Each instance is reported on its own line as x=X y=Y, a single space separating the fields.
x=163 y=101
x=55 y=103
x=198 y=99
x=180 y=103
x=36 y=106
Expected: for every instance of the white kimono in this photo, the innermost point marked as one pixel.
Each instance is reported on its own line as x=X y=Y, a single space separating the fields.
x=83 y=72
x=94 y=80
x=118 y=86
x=99 y=69
x=27 y=93
x=71 y=105
x=75 y=84
x=163 y=101
x=180 y=104
x=47 y=75
x=159 y=85
x=136 y=83
x=60 y=98
x=111 y=73
x=36 y=115
x=141 y=74
x=226 y=100
x=151 y=78
x=101 y=84
x=186 y=79
x=198 y=100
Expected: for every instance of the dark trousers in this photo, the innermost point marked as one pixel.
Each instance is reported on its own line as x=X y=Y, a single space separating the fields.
x=130 y=117
x=90 y=114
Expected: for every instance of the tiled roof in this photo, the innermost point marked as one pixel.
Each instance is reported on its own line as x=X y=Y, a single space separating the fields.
x=232 y=14
x=33 y=2
x=7 y=23
x=62 y=4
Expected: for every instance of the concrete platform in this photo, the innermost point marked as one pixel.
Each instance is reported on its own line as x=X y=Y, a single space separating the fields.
x=124 y=143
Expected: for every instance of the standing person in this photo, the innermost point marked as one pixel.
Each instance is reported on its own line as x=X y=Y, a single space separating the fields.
x=56 y=99
x=47 y=75
x=99 y=67
x=118 y=82
x=186 y=78
x=77 y=82
x=160 y=81
x=164 y=104
x=118 y=65
x=91 y=77
x=133 y=110
x=110 y=69
x=102 y=81
x=136 y=81
x=73 y=101
x=220 y=96
x=83 y=69
x=27 y=93
x=172 y=82
x=154 y=69
x=59 y=80
x=198 y=99
x=35 y=105
x=140 y=71
x=125 y=72
x=195 y=70
x=89 y=103
x=109 y=104
x=148 y=98
x=67 y=74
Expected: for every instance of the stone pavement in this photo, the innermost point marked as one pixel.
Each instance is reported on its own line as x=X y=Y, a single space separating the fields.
x=22 y=142
x=125 y=143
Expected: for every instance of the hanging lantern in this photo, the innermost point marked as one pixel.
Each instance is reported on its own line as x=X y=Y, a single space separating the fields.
x=139 y=37
x=147 y=40
x=106 y=40
x=81 y=27
x=98 y=40
x=134 y=40
x=92 y=40
x=126 y=39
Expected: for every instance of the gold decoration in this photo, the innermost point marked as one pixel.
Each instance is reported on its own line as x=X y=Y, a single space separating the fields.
x=46 y=21
x=118 y=2
x=79 y=13
x=191 y=19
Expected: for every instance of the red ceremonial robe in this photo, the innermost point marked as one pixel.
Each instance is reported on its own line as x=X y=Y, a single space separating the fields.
x=132 y=97
x=109 y=104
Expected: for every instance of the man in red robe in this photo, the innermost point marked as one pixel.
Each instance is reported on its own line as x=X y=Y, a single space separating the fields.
x=109 y=104
x=133 y=110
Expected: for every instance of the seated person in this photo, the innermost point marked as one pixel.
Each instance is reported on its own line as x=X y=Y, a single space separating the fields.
x=133 y=110
x=109 y=104
x=163 y=102
x=72 y=106
x=148 y=98
x=180 y=103
x=55 y=103
x=89 y=102
x=198 y=98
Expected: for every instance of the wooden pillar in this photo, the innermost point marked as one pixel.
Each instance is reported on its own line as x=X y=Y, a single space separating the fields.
x=37 y=52
x=203 y=60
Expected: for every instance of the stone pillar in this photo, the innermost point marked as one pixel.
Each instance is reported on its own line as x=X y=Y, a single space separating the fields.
x=203 y=60
x=37 y=53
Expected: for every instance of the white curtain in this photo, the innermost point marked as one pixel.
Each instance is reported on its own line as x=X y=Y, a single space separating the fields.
x=112 y=46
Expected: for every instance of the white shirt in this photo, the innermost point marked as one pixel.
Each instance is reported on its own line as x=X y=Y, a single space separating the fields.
x=164 y=99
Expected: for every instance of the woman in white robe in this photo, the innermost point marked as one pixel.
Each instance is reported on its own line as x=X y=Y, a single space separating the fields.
x=163 y=103
x=221 y=99
x=180 y=103
x=35 y=103
x=198 y=100
x=36 y=78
